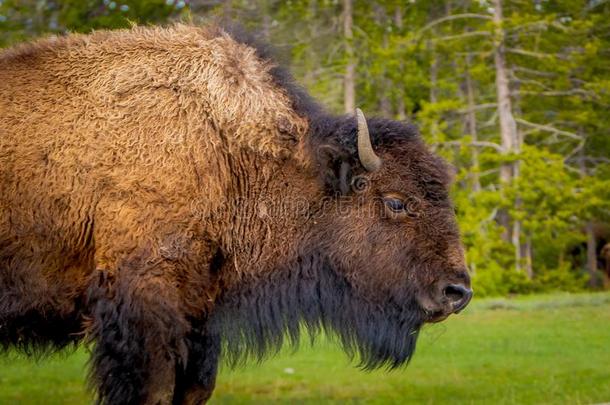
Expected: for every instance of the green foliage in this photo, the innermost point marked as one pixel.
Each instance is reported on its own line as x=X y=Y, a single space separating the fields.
x=21 y=19
x=562 y=278
x=433 y=62
x=83 y=16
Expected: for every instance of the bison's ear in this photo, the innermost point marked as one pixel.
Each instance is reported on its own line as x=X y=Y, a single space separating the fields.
x=335 y=169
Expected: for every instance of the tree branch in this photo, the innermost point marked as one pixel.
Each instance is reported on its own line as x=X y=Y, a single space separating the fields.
x=530 y=53
x=539 y=24
x=551 y=93
x=477 y=108
x=534 y=72
x=481 y=144
x=576 y=150
x=461 y=36
x=491 y=121
x=548 y=128
x=453 y=17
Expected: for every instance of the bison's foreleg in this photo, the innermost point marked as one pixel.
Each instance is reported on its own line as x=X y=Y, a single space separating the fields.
x=195 y=383
x=138 y=331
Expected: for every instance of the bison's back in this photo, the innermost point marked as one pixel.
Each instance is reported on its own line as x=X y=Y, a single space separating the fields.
x=118 y=142
x=76 y=151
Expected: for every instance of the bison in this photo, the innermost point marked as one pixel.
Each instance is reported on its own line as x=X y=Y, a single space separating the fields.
x=170 y=194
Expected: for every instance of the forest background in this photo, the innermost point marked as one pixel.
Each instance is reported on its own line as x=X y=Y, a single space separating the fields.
x=514 y=93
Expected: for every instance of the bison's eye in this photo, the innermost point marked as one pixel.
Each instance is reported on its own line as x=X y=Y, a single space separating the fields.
x=394 y=204
x=398 y=207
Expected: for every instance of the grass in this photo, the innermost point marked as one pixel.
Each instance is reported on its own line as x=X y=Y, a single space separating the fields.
x=542 y=349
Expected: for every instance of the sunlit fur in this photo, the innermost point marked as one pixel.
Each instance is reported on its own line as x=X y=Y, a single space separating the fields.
x=151 y=183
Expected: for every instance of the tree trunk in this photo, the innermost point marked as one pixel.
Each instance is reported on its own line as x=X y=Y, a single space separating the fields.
x=227 y=10
x=528 y=259
x=520 y=252
x=400 y=107
x=508 y=126
x=349 y=81
x=433 y=71
x=471 y=125
x=266 y=23
x=592 y=256
x=434 y=127
x=594 y=279
x=385 y=103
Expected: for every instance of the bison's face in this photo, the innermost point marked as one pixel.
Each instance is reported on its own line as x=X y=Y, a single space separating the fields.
x=378 y=257
x=392 y=229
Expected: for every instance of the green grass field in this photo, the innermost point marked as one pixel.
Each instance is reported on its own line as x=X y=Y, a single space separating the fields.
x=542 y=349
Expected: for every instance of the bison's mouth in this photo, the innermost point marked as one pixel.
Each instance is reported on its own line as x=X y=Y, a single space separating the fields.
x=254 y=318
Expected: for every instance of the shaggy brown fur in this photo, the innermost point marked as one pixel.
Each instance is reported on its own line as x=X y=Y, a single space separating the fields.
x=163 y=190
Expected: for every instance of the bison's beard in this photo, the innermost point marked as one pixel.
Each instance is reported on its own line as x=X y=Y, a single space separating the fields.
x=255 y=317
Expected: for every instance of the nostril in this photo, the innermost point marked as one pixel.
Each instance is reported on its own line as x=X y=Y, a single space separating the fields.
x=458 y=295
x=454 y=292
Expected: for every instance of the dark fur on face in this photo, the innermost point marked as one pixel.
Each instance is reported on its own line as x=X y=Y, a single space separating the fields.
x=256 y=318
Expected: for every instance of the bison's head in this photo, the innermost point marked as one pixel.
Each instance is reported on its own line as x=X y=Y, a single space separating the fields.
x=379 y=253
x=389 y=230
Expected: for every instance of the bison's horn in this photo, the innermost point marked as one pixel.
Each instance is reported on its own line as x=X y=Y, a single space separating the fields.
x=366 y=154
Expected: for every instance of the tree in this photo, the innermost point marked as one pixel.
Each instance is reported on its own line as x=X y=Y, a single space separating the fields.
x=514 y=93
x=349 y=81
x=24 y=19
